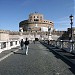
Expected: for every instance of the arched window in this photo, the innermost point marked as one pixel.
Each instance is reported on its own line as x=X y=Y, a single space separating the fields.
x=34 y=16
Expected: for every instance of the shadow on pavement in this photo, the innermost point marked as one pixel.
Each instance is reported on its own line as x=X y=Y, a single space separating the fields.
x=72 y=66
x=18 y=53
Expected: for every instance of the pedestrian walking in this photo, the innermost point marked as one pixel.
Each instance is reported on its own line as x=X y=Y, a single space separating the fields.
x=22 y=44
x=34 y=41
x=48 y=42
x=26 y=46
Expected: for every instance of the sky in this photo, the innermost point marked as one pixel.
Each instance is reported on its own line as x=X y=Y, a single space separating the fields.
x=14 y=11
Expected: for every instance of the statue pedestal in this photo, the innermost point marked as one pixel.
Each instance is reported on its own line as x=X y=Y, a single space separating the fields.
x=21 y=36
x=50 y=37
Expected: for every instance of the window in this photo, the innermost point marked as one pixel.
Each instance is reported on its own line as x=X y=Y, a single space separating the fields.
x=34 y=16
x=36 y=19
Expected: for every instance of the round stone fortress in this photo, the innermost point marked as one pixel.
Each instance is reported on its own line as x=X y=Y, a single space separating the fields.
x=36 y=22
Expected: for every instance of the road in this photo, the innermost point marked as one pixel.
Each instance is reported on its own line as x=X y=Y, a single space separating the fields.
x=39 y=61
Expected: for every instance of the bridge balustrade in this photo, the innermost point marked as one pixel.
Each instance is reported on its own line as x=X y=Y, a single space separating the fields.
x=68 y=45
x=6 y=45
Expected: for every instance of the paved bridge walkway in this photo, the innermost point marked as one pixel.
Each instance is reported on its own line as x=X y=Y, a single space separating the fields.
x=39 y=61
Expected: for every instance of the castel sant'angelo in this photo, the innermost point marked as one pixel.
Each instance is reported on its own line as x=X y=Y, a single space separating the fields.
x=36 y=22
x=36 y=27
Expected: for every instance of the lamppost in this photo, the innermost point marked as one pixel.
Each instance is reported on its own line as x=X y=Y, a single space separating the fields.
x=71 y=39
x=71 y=18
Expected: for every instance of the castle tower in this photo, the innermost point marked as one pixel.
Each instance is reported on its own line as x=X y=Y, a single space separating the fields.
x=36 y=22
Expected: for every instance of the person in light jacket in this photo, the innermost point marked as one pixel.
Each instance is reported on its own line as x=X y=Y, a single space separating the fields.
x=26 y=46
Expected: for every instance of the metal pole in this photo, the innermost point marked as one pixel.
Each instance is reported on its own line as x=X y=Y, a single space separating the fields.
x=71 y=29
x=71 y=18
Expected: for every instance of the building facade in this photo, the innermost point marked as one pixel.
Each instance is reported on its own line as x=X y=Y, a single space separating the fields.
x=36 y=22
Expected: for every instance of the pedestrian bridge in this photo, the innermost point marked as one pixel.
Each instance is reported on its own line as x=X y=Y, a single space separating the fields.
x=40 y=61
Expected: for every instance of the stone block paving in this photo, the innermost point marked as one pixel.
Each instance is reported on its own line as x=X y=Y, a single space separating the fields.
x=69 y=57
x=39 y=61
x=5 y=52
x=62 y=52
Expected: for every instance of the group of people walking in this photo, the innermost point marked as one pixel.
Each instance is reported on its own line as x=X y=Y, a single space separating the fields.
x=24 y=45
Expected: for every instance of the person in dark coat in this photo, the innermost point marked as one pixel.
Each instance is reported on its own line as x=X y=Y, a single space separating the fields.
x=48 y=42
x=22 y=44
x=26 y=46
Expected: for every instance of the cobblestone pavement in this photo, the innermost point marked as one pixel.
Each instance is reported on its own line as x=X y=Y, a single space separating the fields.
x=39 y=61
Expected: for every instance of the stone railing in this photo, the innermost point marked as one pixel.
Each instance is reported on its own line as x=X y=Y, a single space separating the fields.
x=67 y=45
x=6 y=45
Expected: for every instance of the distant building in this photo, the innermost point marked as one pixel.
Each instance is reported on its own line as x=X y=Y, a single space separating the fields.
x=36 y=22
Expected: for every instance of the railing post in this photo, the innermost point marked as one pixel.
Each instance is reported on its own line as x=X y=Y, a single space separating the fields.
x=18 y=42
x=58 y=43
x=8 y=44
x=0 y=45
x=14 y=45
x=61 y=45
x=55 y=43
x=52 y=42
x=71 y=45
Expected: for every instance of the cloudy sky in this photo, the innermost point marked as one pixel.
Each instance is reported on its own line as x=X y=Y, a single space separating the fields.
x=14 y=11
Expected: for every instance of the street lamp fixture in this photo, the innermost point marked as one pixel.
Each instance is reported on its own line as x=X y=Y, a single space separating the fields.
x=71 y=18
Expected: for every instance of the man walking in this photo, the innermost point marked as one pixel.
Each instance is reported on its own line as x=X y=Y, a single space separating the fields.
x=26 y=46
x=22 y=44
